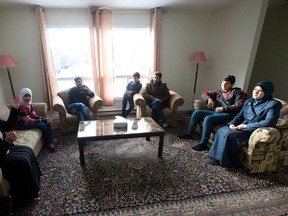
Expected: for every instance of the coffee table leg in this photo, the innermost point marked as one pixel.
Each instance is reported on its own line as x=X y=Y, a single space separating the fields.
x=81 y=152
x=161 y=142
x=148 y=138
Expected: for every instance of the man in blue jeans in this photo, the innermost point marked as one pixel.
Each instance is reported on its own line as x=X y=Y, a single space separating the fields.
x=157 y=95
x=78 y=100
x=223 y=105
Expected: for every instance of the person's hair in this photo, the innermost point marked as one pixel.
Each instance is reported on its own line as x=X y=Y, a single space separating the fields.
x=230 y=78
x=136 y=74
x=158 y=74
x=77 y=78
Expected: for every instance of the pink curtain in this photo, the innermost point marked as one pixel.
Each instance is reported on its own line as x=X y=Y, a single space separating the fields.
x=49 y=77
x=102 y=53
x=155 y=31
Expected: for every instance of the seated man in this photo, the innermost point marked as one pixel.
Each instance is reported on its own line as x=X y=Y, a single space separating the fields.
x=156 y=95
x=224 y=104
x=78 y=100
x=132 y=88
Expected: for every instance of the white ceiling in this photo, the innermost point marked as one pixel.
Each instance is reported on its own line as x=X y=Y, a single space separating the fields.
x=204 y=5
x=122 y=4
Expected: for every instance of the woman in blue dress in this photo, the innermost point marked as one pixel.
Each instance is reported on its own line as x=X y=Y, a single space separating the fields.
x=261 y=110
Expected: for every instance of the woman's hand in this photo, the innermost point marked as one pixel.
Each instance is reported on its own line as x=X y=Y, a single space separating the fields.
x=239 y=127
x=10 y=136
x=15 y=103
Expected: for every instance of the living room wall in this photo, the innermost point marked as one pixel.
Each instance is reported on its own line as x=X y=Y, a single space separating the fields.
x=271 y=59
x=227 y=36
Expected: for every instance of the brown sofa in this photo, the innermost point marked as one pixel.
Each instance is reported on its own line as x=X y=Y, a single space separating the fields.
x=267 y=148
x=142 y=110
x=69 y=122
x=31 y=138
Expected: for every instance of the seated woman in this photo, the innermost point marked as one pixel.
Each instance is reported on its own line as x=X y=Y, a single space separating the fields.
x=18 y=163
x=259 y=111
x=28 y=119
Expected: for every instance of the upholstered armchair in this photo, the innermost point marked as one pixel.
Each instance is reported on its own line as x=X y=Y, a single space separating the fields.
x=267 y=148
x=142 y=110
x=69 y=122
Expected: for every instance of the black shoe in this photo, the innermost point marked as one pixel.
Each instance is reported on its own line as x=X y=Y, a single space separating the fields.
x=213 y=162
x=200 y=147
x=185 y=136
x=165 y=125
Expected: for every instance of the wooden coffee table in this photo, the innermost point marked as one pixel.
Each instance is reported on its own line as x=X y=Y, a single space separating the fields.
x=104 y=130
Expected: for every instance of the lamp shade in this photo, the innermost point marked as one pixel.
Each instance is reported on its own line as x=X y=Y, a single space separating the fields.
x=198 y=56
x=7 y=61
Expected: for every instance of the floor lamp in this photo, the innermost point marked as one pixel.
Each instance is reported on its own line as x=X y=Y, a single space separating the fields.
x=7 y=61
x=197 y=57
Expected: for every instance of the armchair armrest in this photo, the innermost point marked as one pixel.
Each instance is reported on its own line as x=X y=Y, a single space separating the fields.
x=94 y=104
x=59 y=106
x=141 y=105
x=175 y=101
x=261 y=138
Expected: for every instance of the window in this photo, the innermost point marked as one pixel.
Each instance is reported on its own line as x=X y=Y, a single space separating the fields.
x=70 y=43
x=71 y=55
x=131 y=54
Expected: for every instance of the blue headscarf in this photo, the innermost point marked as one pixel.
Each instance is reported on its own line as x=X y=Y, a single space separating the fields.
x=268 y=88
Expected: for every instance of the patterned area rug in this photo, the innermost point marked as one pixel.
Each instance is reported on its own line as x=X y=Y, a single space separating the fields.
x=125 y=177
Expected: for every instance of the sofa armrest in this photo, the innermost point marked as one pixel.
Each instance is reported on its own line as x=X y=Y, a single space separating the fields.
x=200 y=105
x=40 y=109
x=94 y=104
x=261 y=138
x=140 y=105
x=175 y=101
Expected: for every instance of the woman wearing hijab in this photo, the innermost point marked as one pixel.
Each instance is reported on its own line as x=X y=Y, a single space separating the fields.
x=28 y=119
x=259 y=111
x=18 y=163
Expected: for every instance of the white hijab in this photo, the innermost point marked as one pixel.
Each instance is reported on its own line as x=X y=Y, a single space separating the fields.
x=23 y=92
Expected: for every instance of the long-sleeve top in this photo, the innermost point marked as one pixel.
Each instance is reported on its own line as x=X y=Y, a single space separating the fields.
x=155 y=91
x=79 y=95
x=134 y=87
x=232 y=101
x=28 y=115
x=6 y=126
x=262 y=115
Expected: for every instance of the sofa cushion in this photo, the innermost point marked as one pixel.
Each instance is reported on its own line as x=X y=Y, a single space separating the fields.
x=30 y=138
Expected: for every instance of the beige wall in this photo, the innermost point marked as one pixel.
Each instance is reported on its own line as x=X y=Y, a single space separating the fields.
x=271 y=60
x=19 y=38
x=232 y=43
x=227 y=36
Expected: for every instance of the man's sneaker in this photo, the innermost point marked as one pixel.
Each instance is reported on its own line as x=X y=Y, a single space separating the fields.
x=213 y=162
x=200 y=147
x=185 y=136
x=165 y=125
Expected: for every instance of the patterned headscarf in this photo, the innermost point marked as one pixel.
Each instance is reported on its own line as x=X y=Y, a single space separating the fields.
x=23 y=92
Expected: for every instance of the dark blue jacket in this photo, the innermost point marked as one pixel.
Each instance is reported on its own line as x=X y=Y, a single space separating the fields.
x=262 y=115
x=135 y=87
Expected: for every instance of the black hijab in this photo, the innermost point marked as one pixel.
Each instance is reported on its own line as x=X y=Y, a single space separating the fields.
x=268 y=88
